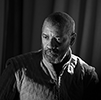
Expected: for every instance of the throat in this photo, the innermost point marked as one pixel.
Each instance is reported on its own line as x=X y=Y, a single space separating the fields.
x=59 y=67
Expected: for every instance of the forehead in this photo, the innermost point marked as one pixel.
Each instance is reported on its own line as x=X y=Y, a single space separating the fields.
x=48 y=28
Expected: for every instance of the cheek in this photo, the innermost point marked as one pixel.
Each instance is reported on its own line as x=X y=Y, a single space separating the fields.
x=44 y=43
x=64 y=47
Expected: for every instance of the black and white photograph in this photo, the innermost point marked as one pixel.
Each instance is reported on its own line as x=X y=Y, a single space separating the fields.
x=50 y=49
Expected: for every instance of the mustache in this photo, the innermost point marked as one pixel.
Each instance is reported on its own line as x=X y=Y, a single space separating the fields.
x=52 y=50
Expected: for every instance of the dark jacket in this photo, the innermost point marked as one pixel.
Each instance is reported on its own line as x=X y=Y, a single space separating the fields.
x=24 y=79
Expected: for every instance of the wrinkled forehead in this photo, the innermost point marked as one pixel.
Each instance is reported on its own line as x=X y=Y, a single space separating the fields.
x=55 y=29
x=62 y=22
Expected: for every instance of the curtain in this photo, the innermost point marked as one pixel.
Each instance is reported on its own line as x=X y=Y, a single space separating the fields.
x=21 y=22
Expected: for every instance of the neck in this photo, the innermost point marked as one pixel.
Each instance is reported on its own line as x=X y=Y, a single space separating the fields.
x=59 y=67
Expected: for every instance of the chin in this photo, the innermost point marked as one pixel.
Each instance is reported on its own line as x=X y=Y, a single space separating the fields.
x=54 y=60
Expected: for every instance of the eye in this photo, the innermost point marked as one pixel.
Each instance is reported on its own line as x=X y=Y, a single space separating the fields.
x=58 y=39
x=45 y=36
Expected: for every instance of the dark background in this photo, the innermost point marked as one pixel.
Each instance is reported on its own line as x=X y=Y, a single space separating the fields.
x=21 y=21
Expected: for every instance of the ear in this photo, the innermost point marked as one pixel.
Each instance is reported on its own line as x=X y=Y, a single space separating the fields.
x=72 y=38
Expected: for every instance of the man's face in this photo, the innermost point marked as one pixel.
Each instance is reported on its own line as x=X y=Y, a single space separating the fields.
x=55 y=43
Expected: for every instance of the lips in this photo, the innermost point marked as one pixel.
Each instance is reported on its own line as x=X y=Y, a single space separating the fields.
x=50 y=52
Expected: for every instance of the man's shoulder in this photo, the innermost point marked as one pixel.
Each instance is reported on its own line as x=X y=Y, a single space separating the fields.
x=86 y=69
x=25 y=59
x=81 y=62
x=34 y=54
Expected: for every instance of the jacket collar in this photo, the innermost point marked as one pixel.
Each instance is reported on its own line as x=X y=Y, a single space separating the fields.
x=70 y=65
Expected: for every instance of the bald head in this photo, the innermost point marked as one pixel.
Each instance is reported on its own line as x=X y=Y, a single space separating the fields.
x=61 y=20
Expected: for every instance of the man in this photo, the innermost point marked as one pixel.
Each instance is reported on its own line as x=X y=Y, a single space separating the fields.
x=53 y=73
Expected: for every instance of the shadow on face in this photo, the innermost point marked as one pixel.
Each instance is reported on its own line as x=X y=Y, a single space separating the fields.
x=55 y=43
x=57 y=36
